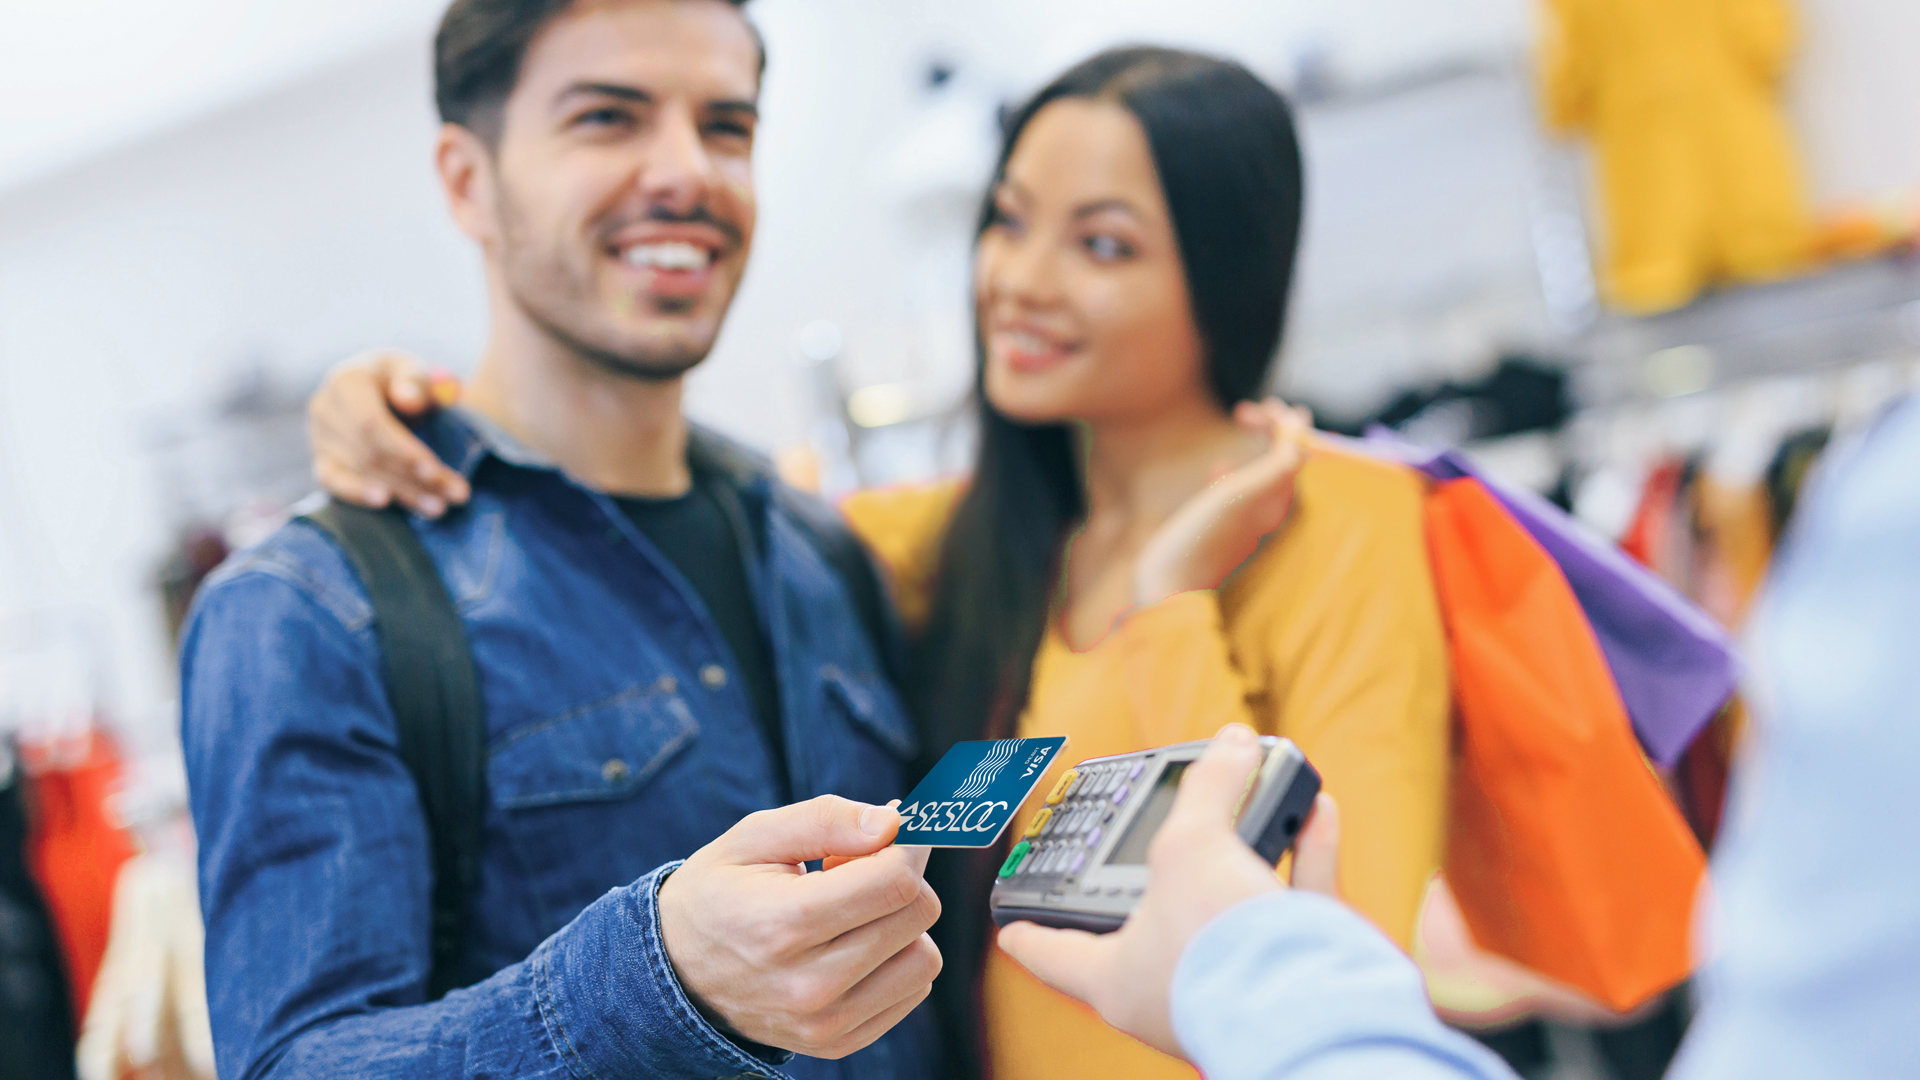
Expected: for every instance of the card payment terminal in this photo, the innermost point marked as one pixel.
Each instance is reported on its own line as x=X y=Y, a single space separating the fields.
x=1081 y=861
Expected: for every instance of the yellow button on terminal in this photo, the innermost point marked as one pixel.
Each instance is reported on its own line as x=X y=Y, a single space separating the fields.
x=1060 y=789
x=1039 y=822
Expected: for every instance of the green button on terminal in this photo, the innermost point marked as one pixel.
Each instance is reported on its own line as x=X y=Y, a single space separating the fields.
x=1014 y=858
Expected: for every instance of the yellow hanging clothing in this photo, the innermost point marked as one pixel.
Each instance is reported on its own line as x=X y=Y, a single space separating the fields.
x=1698 y=175
x=1330 y=636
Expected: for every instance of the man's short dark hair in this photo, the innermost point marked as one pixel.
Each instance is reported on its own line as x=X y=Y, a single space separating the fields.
x=478 y=50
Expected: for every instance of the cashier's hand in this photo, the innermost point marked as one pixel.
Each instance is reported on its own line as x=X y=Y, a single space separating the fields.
x=1197 y=868
x=363 y=453
x=819 y=963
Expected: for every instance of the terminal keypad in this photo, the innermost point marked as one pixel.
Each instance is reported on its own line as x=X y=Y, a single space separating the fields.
x=1062 y=835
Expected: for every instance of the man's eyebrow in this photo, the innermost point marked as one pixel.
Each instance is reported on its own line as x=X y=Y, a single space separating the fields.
x=599 y=89
x=623 y=92
x=1104 y=205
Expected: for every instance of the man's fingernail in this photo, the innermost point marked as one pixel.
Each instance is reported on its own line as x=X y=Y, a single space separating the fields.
x=431 y=506
x=377 y=495
x=876 y=820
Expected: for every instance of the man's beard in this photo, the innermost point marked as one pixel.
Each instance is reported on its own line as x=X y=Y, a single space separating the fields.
x=561 y=302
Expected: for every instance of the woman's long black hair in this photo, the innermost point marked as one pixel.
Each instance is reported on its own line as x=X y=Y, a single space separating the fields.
x=1223 y=145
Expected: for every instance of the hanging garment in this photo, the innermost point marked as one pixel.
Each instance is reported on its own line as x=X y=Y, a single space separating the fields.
x=1726 y=524
x=148 y=1017
x=1698 y=175
x=1646 y=538
x=76 y=848
x=1563 y=848
x=1666 y=535
x=36 y=1022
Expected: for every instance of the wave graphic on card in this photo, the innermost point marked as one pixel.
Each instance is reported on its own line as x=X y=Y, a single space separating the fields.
x=982 y=775
x=975 y=789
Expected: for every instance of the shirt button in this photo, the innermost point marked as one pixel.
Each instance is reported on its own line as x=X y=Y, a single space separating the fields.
x=713 y=676
x=614 y=770
x=668 y=684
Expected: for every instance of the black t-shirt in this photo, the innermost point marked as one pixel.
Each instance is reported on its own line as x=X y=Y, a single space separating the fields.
x=693 y=533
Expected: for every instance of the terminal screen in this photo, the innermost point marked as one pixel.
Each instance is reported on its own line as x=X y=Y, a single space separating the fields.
x=1132 y=848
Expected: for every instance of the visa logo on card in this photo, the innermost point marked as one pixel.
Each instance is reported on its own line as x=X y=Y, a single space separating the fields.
x=973 y=792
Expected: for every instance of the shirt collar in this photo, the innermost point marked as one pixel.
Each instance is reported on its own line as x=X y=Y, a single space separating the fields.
x=464 y=438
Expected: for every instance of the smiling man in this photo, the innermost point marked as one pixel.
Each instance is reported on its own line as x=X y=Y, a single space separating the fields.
x=666 y=649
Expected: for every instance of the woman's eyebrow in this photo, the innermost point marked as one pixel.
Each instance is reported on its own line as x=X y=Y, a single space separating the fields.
x=1011 y=189
x=1103 y=205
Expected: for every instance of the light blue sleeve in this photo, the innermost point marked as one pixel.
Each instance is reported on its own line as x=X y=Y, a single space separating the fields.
x=1815 y=935
x=1295 y=985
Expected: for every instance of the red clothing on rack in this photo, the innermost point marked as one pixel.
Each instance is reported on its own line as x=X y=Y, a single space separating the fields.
x=75 y=848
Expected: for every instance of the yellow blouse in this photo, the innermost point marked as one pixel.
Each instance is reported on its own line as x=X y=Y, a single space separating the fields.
x=1330 y=636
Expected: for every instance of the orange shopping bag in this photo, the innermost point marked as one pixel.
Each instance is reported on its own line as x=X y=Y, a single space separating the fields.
x=1563 y=848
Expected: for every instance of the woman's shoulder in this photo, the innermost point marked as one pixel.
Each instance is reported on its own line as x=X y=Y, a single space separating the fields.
x=902 y=525
x=1353 y=551
x=1358 y=526
x=1343 y=487
x=902 y=514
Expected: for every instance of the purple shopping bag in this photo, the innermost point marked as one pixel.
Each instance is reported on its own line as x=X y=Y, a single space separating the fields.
x=1674 y=665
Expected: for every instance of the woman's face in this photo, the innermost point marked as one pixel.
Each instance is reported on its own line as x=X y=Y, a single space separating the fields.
x=1078 y=284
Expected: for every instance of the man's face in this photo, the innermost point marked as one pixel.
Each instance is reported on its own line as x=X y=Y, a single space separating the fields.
x=623 y=204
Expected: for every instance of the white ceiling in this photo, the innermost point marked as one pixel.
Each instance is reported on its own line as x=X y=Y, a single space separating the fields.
x=80 y=76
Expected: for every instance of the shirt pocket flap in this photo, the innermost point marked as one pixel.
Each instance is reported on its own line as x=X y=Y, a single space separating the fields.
x=874 y=708
x=606 y=749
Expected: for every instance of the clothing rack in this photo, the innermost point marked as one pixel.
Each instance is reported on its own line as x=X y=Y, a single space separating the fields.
x=1849 y=314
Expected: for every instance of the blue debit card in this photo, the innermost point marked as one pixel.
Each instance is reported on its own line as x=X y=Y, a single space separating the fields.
x=974 y=791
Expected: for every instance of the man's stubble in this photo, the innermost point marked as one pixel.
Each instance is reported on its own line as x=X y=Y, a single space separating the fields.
x=560 y=299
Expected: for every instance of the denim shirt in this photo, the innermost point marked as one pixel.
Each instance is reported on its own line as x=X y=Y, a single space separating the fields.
x=619 y=741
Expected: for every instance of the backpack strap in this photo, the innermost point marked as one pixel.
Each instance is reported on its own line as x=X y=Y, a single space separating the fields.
x=435 y=694
x=829 y=535
x=848 y=557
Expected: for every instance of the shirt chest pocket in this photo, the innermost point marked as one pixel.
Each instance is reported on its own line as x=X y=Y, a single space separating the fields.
x=606 y=749
x=575 y=793
x=873 y=738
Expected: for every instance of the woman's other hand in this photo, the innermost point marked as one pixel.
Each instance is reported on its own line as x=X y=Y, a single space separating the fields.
x=1197 y=868
x=363 y=453
x=1219 y=528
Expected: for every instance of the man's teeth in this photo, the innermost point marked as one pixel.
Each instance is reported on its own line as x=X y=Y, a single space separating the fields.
x=670 y=256
x=1029 y=342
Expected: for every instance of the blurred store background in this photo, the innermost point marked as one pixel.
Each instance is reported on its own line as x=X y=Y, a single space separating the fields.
x=205 y=203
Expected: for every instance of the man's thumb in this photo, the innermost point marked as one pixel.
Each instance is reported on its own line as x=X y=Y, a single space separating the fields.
x=816 y=829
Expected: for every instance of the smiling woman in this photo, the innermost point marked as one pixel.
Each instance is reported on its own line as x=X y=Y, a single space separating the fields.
x=1112 y=571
